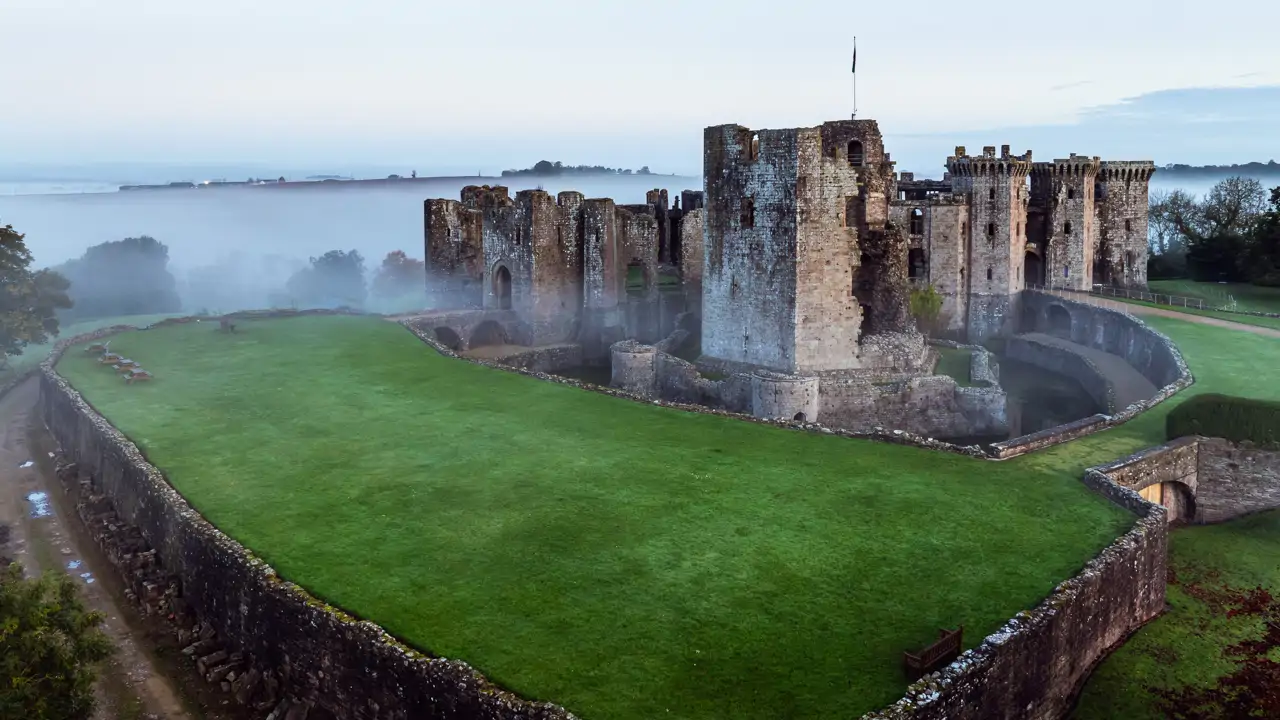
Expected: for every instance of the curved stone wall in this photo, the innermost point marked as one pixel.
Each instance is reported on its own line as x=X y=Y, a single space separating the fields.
x=632 y=367
x=784 y=397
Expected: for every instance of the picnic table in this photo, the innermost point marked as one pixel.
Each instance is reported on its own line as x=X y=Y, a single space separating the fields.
x=135 y=374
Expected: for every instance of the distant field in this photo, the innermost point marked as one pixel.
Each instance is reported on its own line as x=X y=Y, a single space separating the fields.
x=1255 y=320
x=1250 y=298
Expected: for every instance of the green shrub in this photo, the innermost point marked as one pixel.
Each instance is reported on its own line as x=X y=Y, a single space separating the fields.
x=1234 y=418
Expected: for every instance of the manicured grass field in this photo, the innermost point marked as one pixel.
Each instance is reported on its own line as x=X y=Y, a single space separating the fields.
x=1267 y=322
x=1252 y=298
x=622 y=559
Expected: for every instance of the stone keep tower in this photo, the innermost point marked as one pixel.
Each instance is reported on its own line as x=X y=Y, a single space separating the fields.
x=1121 y=200
x=995 y=186
x=1065 y=231
x=784 y=213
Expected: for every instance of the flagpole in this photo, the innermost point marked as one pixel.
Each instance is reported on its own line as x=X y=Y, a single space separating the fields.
x=855 y=77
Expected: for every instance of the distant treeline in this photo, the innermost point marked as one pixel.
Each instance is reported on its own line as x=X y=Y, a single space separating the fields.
x=1253 y=169
x=546 y=167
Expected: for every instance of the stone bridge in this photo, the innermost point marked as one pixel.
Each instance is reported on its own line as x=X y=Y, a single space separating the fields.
x=461 y=330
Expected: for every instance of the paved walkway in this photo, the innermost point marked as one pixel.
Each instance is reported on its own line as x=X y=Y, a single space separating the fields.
x=1130 y=385
x=1134 y=309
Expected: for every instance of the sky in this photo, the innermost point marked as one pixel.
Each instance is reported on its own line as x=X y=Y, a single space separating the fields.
x=463 y=87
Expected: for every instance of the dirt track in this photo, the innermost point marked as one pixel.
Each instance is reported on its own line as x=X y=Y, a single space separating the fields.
x=44 y=535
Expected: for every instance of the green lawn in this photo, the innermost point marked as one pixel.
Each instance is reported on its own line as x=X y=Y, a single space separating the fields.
x=1255 y=320
x=1185 y=646
x=1252 y=298
x=622 y=559
x=955 y=363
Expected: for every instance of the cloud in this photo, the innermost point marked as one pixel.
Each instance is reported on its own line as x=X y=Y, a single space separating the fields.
x=1067 y=86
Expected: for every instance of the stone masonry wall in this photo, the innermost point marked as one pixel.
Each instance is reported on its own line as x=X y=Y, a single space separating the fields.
x=1122 y=205
x=1074 y=366
x=1063 y=190
x=1235 y=480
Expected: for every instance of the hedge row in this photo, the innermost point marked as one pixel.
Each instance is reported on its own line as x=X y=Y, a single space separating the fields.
x=1234 y=418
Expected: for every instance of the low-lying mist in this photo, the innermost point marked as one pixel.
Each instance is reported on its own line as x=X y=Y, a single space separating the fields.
x=237 y=248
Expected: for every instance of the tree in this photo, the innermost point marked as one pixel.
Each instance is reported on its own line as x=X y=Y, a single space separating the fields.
x=926 y=307
x=122 y=277
x=399 y=275
x=332 y=280
x=1215 y=232
x=1265 y=249
x=49 y=648
x=29 y=301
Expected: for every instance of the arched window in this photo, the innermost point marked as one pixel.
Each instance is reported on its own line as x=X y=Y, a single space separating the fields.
x=855 y=153
x=1066 y=228
x=753 y=150
x=988 y=272
x=917 y=221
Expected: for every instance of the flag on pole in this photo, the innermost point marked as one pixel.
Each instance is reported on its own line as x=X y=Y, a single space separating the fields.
x=855 y=55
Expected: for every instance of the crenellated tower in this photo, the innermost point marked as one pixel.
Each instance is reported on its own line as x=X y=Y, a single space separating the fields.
x=1063 y=220
x=1121 y=204
x=992 y=274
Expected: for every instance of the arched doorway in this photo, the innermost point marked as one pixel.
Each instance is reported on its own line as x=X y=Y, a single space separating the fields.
x=1059 y=321
x=1176 y=497
x=1033 y=269
x=448 y=338
x=502 y=287
x=486 y=333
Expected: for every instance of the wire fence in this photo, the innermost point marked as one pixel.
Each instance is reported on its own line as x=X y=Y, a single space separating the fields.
x=1139 y=295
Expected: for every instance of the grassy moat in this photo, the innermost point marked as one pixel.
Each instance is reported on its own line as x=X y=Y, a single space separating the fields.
x=621 y=559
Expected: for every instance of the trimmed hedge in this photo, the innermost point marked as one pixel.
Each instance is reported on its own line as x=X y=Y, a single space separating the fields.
x=1234 y=418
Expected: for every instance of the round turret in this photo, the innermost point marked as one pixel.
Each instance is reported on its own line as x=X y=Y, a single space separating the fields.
x=784 y=397
x=632 y=367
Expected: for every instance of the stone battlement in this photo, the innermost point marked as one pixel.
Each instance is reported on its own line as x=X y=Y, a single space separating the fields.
x=1076 y=165
x=1127 y=170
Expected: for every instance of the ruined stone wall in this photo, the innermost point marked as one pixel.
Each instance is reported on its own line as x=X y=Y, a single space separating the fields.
x=454 y=254
x=290 y=644
x=749 y=271
x=1064 y=192
x=996 y=189
x=1122 y=205
x=945 y=245
x=782 y=397
x=932 y=406
x=1234 y=480
x=691 y=248
x=1033 y=667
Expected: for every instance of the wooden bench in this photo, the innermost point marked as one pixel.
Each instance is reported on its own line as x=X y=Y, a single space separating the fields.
x=125 y=364
x=135 y=374
x=934 y=657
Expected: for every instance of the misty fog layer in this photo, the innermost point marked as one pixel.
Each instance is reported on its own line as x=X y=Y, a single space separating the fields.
x=235 y=248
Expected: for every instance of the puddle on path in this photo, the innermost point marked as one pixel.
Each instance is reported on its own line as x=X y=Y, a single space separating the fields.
x=26 y=464
x=39 y=504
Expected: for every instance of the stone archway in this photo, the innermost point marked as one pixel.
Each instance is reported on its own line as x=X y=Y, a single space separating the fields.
x=1177 y=497
x=1058 y=321
x=502 y=287
x=449 y=338
x=1032 y=269
x=489 y=332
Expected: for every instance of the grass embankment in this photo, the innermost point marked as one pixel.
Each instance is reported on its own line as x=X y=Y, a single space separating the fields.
x=955 y=364
x=1185 y=648
x=622 y=559
x=33 y=355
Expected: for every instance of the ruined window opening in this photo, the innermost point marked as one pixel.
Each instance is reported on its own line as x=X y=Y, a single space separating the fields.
x=748 y=219
x=916 y=264
x=917 y=222
x=1127 y=225
x=855 y=153
x=1066 y=271
x=864 y=327
x=753 y=150
x=519 y=236
x=502 y=287
x=733 y=289
x=988 y=272
x=1066 y=228
x=851 y=211
x=991 y=229
x=559 y=236
x=991 y=194
x=1071 y=193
